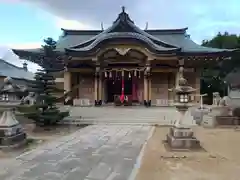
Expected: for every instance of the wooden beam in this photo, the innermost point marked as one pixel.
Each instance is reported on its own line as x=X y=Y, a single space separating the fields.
x=82 y=70
x=171 y=70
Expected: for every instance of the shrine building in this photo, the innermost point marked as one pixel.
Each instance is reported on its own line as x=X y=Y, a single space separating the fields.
x=124 y=60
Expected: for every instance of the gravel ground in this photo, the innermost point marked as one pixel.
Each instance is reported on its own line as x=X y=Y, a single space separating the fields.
x=220 y=161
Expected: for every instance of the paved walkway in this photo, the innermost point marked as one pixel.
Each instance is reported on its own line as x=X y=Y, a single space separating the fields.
x=97 y=152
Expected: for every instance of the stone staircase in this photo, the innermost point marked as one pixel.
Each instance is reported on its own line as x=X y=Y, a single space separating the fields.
x=124 y=115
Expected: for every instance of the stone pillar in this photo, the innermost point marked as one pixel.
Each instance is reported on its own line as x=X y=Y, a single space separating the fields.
x=67 y=81
x=67 y=85
x=177 y=79
x=147 y=86
x=178 y=74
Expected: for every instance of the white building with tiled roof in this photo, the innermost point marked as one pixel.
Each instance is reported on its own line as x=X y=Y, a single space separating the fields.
x=19 y=74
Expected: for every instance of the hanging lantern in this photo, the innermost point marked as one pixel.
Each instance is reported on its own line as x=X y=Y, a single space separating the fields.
x=106 y=74
x=110 y=74
x=139 y=74
x=129 y=75
x=135 y=73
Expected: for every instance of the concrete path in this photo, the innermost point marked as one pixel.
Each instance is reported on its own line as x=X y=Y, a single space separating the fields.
x=97 y=152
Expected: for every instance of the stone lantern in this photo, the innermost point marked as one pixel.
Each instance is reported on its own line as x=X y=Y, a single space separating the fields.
x=180 y=135
x=11 y=132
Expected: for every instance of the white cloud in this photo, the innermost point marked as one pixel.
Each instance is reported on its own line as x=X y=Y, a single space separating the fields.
x=25 y=45
x=198 y=15
x=70 y=24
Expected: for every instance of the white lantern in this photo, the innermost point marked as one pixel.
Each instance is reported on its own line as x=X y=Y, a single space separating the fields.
x=183 y=98
x=5 y=97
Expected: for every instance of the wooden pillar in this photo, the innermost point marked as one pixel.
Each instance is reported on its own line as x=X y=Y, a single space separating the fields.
x=177 y=78
x=100 y=86
x=197 y=85
x=103 y=89
x=95 y=88
x=145 y=84
x=149 y=89
x=171 y=81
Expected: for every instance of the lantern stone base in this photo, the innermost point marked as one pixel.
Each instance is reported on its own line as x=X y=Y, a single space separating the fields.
x=12 y=134
x=180 y=138
x=11 y=142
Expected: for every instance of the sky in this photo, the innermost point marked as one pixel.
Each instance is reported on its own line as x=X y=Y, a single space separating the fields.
x=25 y=23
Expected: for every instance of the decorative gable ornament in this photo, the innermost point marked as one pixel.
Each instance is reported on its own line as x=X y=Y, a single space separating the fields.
x=122 y=51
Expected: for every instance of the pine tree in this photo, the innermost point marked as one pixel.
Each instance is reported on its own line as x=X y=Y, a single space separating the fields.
x=45 y=112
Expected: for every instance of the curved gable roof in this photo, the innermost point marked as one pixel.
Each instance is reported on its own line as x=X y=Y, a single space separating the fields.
x=158 y=40
x=124 y=27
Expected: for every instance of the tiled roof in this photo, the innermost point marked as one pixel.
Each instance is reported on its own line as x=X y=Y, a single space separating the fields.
x=174 y=37
x=129 y=35
x=7 y=69
x=161 y=41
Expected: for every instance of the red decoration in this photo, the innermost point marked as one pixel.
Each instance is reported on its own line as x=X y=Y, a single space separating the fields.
x=122 y=94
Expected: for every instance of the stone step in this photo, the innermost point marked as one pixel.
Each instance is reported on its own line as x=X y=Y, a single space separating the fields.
x=70 y=120
x=117 y=122
x=128 y=115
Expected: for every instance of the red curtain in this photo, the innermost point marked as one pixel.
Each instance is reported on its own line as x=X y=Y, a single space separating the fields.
x=122 y=94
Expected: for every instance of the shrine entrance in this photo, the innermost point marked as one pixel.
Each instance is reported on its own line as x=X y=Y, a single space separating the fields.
x=122 y=74
x=122 y=82
x=114 y=88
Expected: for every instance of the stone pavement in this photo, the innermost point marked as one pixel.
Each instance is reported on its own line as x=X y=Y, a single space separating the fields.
x=97 y=152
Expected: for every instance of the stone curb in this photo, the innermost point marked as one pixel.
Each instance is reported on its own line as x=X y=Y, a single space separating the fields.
x=137 y=165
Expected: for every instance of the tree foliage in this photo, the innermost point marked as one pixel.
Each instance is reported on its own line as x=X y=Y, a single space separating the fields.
x=45 y=110
x=213 y=76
